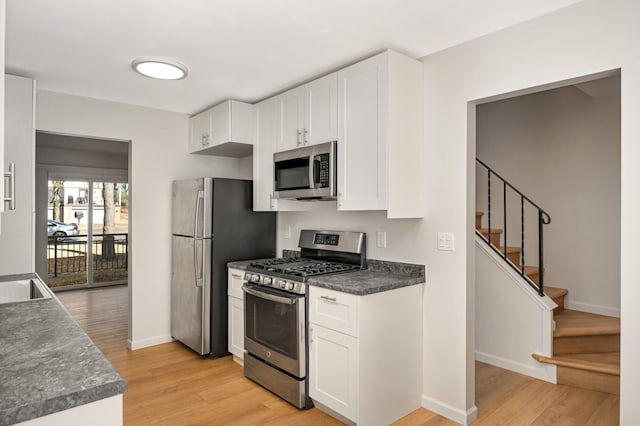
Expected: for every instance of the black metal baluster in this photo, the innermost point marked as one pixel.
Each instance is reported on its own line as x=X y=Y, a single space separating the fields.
x=489 y=205
x=55 y=256
x=540 y=260
x=522 y=234
x=504 y=216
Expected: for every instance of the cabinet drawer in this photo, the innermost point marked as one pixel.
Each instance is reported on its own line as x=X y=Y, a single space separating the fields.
x=236 y=279
x=334 y=310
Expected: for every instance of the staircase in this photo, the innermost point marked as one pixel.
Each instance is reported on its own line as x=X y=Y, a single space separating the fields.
x=586 y=347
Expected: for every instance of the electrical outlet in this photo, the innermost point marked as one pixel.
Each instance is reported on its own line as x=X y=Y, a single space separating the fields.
x=446 y=241
x=381 y=237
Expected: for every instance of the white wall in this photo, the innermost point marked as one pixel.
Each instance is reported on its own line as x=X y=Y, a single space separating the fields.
x=512 y=321
x=562 y=149
x=17 y=238
x=158 y=154
x=590 y=37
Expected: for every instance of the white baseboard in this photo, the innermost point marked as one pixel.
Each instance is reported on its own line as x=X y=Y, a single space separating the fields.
x=150 y=341
x=546 y=372
x=592 y=309
x=450 y=412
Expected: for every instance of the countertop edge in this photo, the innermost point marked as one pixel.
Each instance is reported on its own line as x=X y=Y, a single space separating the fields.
x=40 y=408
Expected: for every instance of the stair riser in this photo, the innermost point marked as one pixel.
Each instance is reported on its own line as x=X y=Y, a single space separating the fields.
x=588 y=380
x=586 y=344
x=495 y=238
x=514 y=258
x=560 y=302
x=478 y=222
x=535 y=277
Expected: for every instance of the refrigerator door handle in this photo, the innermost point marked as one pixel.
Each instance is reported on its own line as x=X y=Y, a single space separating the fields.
x=199 y=272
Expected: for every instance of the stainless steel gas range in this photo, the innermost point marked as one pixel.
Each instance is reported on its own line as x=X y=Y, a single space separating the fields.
x=276 y=309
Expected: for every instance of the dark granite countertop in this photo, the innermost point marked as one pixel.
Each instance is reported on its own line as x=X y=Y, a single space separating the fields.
x=371 y=280
x=380 y=275
x=239 y=264
x=47 y=363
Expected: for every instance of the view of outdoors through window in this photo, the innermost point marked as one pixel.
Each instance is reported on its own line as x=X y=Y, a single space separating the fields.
x=88 y=233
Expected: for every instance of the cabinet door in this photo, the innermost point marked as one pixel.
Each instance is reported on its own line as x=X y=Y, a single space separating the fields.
x=362 y=132
x=235 y=281
x=221 y=123
x=2 y=165
x=321 y=110
x=332 y=370
x=236 y=327
x=290 y=119
x=200 y=131
x=263 y=149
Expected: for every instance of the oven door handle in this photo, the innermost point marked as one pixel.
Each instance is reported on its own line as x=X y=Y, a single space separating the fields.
x=271 y=297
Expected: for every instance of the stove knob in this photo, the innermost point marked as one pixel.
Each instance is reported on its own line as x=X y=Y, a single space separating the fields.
x=267 y=280
x=255 y=278
x=290 y=286
x=283 y=284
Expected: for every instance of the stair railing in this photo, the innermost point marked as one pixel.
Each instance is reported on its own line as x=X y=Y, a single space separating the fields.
x=543 y=219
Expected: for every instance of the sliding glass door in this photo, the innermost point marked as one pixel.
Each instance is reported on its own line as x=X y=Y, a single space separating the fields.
x=87 y=233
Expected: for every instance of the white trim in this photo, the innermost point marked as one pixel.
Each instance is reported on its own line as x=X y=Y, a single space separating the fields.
x=593 y=309
x=450 y=412
x=544 y=302
x=150 y=341
x=546 y=372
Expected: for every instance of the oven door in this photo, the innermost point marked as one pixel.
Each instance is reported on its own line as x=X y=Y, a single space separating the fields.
x=274 y=324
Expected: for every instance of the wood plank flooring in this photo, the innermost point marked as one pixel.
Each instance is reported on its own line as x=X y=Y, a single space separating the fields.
x=170 y=385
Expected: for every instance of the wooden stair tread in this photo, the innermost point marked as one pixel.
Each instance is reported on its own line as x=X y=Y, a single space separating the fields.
x=576 y=323
x=605 y=363
x=512 y=250
x=494 y=231
x=554 y=292
x=479 y=214
x=531 y=270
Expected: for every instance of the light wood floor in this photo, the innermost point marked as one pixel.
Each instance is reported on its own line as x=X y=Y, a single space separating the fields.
x=170 y=385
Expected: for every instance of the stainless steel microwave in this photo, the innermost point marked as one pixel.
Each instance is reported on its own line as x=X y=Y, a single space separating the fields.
x=307 y=173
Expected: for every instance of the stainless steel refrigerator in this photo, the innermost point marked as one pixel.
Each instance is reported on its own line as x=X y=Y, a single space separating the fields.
x=212 y=223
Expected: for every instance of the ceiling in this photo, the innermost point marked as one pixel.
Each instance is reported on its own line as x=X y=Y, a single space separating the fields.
x=239 y=49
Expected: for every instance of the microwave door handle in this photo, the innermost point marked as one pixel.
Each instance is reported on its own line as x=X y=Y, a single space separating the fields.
x=312 y=174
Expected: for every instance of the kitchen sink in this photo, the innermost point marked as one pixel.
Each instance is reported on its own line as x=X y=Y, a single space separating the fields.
x=22 y=288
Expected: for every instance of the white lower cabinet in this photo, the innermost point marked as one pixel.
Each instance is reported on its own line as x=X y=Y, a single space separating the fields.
x=365 y=354
x=236 y=327
x=333 y=370
x=235 y=319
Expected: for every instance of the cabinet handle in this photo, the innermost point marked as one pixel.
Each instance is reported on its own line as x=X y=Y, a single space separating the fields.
x=339 y=199
x=310 y=335
x=305 y=139
x=11 y=176
x=328 y=299
x=205 y=139
x=298 y=135
x=236 y=275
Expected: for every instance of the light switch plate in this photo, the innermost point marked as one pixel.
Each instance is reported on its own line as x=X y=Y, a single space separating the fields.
x=381 y=237
x=446 y=241
x=286 y=233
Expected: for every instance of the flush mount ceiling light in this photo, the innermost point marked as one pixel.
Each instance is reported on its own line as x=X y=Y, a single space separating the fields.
x=163 y=69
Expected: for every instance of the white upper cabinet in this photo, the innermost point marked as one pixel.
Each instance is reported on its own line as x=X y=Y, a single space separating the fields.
x=263 y=149
x=321 y=110
x=225 y=130
x=381 y=136
x=289 y=119
x=307 y=115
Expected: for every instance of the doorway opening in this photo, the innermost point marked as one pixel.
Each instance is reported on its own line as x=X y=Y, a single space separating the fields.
x=82 y=193
x=560 y=148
